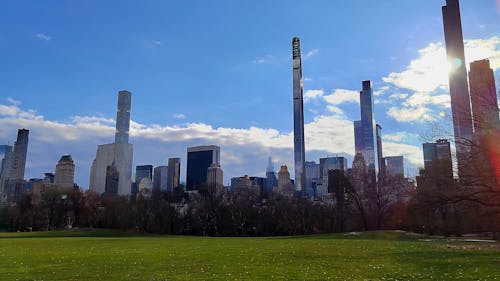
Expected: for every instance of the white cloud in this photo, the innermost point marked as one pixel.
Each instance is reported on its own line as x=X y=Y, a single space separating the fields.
x=412 y=154
x=424 y=74
x=14 y=102
x=399 y=136
x=179 y=116
x=311 y=54
x=264 y=60
x=340 y=96
x=43 y=36
x=398 y=96
x=335 y=109
x=381 y=91
x=405 y=114
x=310 y=95
x=429 y=72
x=421 y=99
x=427 y=77
x=158 y=43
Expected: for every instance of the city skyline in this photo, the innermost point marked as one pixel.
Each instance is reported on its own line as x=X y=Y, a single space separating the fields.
x=247 y=146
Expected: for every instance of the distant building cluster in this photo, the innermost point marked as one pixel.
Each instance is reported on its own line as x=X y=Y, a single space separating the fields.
x=476 y=130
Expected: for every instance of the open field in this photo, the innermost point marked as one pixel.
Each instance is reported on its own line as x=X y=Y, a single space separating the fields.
x=109 y=255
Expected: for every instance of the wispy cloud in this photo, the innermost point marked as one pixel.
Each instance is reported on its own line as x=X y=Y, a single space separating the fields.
x=340 y=96
x=158 y=43
x=310 y=95
x=413 y=114
x=43 y=36
x=179 y=116
x=399 y=136
x=265 y=59
x=310 y=54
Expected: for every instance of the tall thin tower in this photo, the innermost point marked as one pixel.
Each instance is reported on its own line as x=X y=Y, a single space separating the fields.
x=113 y=162
x=123 y=116
x=298 y=119
x=459 y=89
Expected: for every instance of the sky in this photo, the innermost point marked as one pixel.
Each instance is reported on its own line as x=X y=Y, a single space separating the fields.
x=219 y=72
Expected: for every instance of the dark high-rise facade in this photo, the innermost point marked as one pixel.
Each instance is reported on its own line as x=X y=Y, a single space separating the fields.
x=142 y=172
x=112 y=177
x=437 y=159
x=173 y=174
x=483 y=97
x=365 y=133
x=199 y=159
x=298 y=119
x=459 y=89
x=394 y=167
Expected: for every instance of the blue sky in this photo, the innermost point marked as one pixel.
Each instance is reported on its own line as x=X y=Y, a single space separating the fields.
x=219 y=72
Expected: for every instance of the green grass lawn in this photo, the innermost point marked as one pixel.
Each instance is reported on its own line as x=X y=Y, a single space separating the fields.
x=108 y=255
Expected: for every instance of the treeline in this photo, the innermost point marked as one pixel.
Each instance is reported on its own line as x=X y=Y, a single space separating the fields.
x=227 y=214
x=447 y=211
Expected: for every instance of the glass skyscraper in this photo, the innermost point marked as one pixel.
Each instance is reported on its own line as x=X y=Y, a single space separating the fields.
x=143 y=171
x=437 y=159
x=199 y=159
x=459 y=89
x=365 y=135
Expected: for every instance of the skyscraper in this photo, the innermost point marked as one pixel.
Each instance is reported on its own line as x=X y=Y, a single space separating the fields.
x=271 y=179
x=313 y=174
x=173 y=175
x=483 y=97
x=437 y=159
x=381 y=163
x=199 y=159
x=64 y=175
x=485 y=168
x=160 y=176
x=215 y=179
x=285 y=186
x=298 y=119
x=19 y=157
x=5 y=151
x=112 y=180
x=143 y=171
x=394 y=167
x=119 y=154
x=365 y=134
x=329 y=164
x=459 y=89
x=358 y=177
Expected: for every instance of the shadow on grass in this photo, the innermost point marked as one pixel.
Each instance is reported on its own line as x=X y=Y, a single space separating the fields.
x=103 y=233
